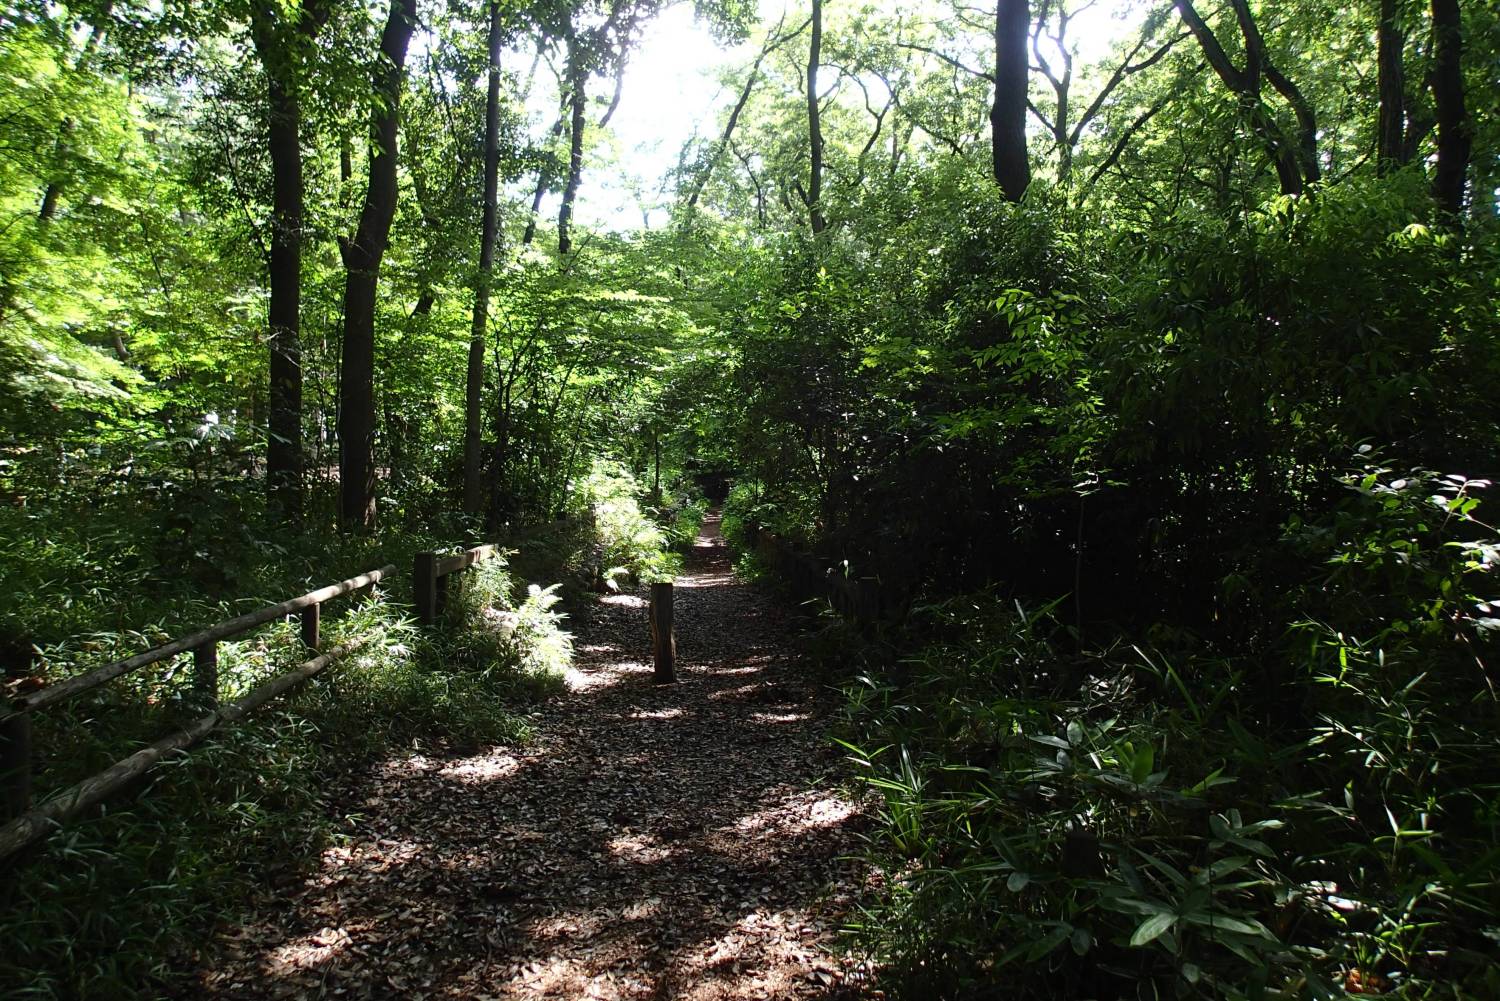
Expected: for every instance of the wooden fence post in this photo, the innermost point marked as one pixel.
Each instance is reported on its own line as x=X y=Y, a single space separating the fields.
x=663 y=642
x=425 y=581
x=15 y=766
x=206 y=671
x=312 y=617
x=15 y=752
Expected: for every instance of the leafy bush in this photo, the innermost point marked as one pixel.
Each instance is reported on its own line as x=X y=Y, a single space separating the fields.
x=748 y=506
x=630 y=542
x=1143 y=819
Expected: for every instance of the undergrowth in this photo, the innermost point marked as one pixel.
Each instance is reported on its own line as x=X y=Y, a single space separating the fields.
x=636 y=541
x=1164 y=816
x=120 y=904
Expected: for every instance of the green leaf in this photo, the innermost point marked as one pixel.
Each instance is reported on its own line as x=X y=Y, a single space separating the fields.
x=1152 y=928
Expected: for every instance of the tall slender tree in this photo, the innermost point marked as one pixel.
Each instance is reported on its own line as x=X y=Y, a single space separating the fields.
x=283 y=37
x=578 y=79
x=1455 y=137
x=1010 y=160
x=362 y=263
x=474 y=385
x=1390 y=130
x=815 y=124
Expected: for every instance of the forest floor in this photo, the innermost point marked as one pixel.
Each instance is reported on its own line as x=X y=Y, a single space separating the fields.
x=681 y=841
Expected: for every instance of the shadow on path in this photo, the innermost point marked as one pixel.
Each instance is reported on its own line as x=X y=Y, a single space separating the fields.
x=682 y=841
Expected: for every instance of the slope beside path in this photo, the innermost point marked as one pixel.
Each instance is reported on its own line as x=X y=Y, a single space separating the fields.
x=684 y=841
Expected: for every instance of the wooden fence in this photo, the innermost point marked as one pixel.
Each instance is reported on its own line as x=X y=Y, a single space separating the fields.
x=430 y=578
x=861 y=599
x=26 y=824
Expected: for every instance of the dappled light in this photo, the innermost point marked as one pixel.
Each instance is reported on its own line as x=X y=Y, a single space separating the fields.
x=907 y=499
x=654 y=839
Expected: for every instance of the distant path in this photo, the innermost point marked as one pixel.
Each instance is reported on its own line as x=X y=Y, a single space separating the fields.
x=654 y=842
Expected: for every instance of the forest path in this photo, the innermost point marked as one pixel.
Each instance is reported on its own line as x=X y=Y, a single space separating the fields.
x=680 y=841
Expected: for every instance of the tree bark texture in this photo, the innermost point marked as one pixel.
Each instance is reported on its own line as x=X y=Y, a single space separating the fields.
x=578 y=78
x=1454 y=135
x=284 y=467
x=1390 y=131
x=474 y=387
x=280 y=57
x=357 y=378
x=1011 y=163
x=815 y=124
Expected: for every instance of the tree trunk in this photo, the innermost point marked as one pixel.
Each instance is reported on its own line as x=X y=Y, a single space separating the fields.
x=357 y=377
x=815 y=124
x=284 y=459
x=53 y=190
x=1390 y=132
x=284 y=427
x=543 y=180
x=474 y=389
x=1246 y=85
x=578 y=77
x=1011 y=164
x=1454 y=138
x=1258 y=64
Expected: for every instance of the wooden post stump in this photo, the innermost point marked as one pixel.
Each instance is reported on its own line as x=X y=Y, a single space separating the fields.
x=424 y=579
x=206 y=672
x=312 y=617
x=15 y=766
x=663 y=642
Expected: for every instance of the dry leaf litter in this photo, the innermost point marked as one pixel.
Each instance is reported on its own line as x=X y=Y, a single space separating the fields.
x=683 y=841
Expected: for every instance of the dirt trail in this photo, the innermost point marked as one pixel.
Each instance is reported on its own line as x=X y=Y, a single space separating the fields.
x=681 y=841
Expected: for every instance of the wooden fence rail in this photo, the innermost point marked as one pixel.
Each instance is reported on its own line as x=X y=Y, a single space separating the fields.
x=205 y=640
x=430 y=578
x=24 y=825
x=35 y=824
x=861 y=599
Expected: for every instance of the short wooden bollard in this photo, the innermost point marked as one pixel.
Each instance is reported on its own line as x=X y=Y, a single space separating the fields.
x=663 y=643
x=425 y=583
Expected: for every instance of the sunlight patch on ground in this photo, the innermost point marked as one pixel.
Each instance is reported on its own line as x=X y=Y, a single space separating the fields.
x=576 y=680
x=765 y=955
x=720 y=672
x=623 y=600
x=565 y=977
x=400 y=768
x=656 y=714
x=705 y=580
x=765 y=717
x=603 y=677
x=319 y=949
x=806 y=812
x=641 y=848
x=481 y=768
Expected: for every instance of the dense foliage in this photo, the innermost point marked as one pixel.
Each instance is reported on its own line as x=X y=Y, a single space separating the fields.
x=1142 y=355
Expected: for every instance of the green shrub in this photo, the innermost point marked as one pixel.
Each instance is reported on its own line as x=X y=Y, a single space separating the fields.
x=631 y=543
x=1140 y=821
